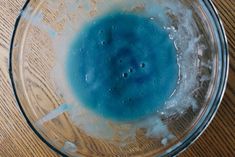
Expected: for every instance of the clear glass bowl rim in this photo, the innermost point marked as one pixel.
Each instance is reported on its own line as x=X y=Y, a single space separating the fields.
x=190 y=139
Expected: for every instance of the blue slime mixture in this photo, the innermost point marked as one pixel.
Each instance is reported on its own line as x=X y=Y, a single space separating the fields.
x=122 y=66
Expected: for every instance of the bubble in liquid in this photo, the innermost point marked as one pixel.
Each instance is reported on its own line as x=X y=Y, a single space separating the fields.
x=125 y=75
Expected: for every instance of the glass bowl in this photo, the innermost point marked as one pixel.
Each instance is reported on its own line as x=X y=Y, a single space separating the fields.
x=43 y=32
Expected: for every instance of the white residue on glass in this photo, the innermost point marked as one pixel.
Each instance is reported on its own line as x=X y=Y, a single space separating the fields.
x=37 y=20
x=182 y=31
x=54 y=114
x=69 y=147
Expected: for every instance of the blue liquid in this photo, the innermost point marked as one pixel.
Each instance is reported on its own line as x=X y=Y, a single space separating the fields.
x=122 y=66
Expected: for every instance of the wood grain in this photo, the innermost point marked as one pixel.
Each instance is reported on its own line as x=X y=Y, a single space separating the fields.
x=18 y=140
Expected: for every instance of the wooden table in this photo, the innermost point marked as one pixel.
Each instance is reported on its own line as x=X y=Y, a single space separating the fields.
x=18 y=140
